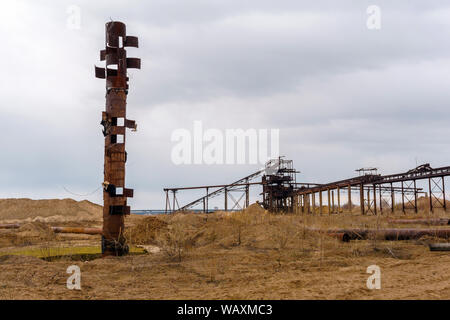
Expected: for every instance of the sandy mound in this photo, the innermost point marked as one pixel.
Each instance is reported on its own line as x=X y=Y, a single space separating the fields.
x=20 y=260
x=36 y=230
x=145 y=231
x=52 y=210
x=253 y=209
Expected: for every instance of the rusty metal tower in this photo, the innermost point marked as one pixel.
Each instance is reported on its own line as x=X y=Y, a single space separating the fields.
x=114 y=123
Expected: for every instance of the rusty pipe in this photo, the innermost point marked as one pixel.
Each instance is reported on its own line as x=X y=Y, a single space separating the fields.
x=77 y=230
x=9 y=226
x=342 y=236
x=432 y=222
x=439 y=246
x=389 y=234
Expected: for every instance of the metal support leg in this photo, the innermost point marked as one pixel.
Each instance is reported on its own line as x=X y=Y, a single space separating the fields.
x=329 y=202
x=226 y=199
x=339 y=199
x=313 y=200
x=320 y=202
x=207 y=199
x=381 y=199
x=392 y=198
x=403 y=199
x=375 y=199
x=350 y=198
x=430 y=194
x=332 y=202
x=415 y=197
x=443 y=192
x=361 y=198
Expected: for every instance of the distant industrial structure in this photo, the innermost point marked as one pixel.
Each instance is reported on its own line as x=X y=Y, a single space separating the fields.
x=282 y=193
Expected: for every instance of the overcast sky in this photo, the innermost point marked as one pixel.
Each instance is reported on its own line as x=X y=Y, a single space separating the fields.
x=343 y=96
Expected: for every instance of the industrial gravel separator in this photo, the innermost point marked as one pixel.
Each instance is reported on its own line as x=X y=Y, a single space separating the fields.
x=114 y=123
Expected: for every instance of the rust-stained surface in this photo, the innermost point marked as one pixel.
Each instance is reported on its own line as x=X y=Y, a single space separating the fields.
x=388 y=234
x=114 y=124
x=77 y=230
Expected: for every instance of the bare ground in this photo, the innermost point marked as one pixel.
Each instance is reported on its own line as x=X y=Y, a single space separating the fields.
x=245 y=255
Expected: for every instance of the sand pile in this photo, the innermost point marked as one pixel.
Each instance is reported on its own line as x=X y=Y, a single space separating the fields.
x=20 y=260
x=253 y=209
x=37 y=230
x=52 y=210
x=145 y=231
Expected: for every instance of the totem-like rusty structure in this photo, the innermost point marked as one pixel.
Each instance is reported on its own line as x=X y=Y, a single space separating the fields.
x=114 y=123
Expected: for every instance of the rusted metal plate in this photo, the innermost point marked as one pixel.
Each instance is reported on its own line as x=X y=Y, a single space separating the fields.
x=118 y=147
x=117 y=165
x=117 y=210
x=116 y=82
x=117 y=201
x=130 y=123
x=131 y=41
x=111 y=73
x=111 y=58
x=134 y=63
x=117 y=130
x=117 y=113
x=128 y=193
x=114 y=30
x=100 y=73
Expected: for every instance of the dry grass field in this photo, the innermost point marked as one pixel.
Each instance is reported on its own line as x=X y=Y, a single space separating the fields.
x=250 y=254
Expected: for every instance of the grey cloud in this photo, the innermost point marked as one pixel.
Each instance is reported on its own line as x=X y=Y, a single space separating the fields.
x=341 y=95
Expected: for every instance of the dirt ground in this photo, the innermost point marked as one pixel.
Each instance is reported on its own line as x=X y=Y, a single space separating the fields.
x=244 y=255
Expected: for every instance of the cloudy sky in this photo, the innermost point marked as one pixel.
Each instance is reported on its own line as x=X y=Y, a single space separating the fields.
x=343 y=96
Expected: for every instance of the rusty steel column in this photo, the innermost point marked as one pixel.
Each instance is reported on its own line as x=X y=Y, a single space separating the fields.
x=167 y=201
x=339 y=199
x=332 y=201
x=392 y=199
x=320 y=202
x=430 y=195
x=415 y=197
x=226 y=199
x=374 y=199
x=361 y=198
x=174 y=193
x=350 y=198
x=207 y=200
x=443 y=192
x=403 y=198
x=247 y=195
x=114 y=123
x=329 y=201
